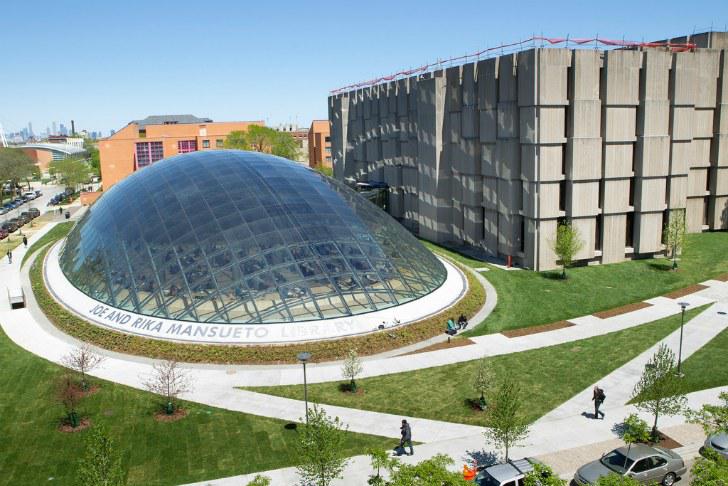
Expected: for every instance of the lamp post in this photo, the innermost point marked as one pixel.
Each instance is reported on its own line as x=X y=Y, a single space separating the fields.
x=303 y=358
x=683 y=306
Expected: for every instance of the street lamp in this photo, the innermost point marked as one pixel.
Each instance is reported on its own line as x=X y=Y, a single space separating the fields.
x=683 y=306
x=303 y=358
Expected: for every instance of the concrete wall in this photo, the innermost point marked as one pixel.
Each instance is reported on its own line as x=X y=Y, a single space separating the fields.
x=496 y=153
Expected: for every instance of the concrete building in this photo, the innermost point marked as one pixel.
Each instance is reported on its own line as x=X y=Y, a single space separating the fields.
x=493 y=154
x=319 y=144
x=143 y=142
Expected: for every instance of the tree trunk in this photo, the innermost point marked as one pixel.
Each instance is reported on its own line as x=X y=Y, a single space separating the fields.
x=654 y=426
x=506 y=445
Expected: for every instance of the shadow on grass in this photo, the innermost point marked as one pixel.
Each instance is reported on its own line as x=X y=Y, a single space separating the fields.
x=481 y=458
x=473 y=404
x=553 y=276
x=660 y=267
x=291 y=426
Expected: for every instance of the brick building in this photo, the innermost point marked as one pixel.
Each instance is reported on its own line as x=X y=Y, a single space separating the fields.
x=319 y=144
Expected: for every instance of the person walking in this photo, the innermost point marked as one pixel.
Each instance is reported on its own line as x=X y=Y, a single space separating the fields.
x=10 y=256
x=598 y=398
x=25 y=241
x=406 y=432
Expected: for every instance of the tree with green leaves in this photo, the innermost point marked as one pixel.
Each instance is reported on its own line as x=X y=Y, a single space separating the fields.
x=93 y=156
x=379 y=459
x=259 y=480
x=505 y=423
x=351 y=368
x=264 y=139
x=431 y=472
x=567 y=244
x=634 y=430
x=710 y=470
x=15 y=166
x=542 y=475
x=614 y=479
x=71 y=171
x=658 y=391
x=483 y=380
x=320 y=446
x=101 y=465
x=674 y=234
x=713 y=418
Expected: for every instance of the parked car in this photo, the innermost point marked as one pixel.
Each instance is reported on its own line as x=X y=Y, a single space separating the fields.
x=510 y=473
x=25 y=215
x=9 y=226
x=3 y=234
x=28 y=195
x=38 y=193
x=644 y=463
x=719 y=443
x=4 y=210
x=35 y=212
x=18 y=222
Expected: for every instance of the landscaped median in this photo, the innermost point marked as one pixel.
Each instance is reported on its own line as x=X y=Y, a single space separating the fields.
x=548 y=376
x=367 y=344
x=527 y=298
x=208 y=443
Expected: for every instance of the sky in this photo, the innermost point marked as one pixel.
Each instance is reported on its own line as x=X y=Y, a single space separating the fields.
x=105 y=63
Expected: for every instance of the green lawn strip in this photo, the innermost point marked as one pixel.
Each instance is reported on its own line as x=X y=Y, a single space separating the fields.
x=549 y=377
x=372 y=343
x=209 y=443
x=527 y=298
x=706 y=367
x=56 y=233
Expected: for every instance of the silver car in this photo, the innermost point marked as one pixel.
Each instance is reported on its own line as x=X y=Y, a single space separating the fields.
x=510 y=473
x=641 y=462
x=719 y=443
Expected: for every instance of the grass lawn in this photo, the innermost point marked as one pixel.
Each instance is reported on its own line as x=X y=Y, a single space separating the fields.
x=209 y=443
x=549 y=376
x=59 y=231
x=527 y=298
x=706 y=367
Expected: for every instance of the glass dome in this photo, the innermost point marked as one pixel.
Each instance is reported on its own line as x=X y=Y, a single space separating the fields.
x=242 y=237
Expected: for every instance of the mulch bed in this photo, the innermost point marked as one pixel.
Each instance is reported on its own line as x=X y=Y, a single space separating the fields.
x=676 y=294
x=722 y=278
x=617 y=311
x=667 y=442
x=83 y=425
x=454 y=343
x=178 y=414
x=537 y=329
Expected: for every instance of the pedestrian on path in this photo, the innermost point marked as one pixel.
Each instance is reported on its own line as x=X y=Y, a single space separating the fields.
x=406 y=432
x=598 y=398
x=451 y=329
x=10 y=257
x=25 y=241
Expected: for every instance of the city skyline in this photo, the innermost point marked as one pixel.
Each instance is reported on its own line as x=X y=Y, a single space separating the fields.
x=262 y=64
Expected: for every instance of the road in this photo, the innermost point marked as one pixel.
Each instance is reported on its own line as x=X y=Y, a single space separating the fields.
x=40 y=203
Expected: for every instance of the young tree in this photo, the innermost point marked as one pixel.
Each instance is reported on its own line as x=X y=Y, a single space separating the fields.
x=351 y=368
x=713 y=418
x=633 y=430
x=615 y=479
x=568 y=243
x=259 y=480
x=69 y=395
x=264 y=139
x=710 y=470
x=169 y=380
x=542 y=475
x=101 y=465
x=431 y=472
x=83 y=360
x=320 y=447
x=674 y=234
x=15 y=166
x=483 y=380
x=505 y=423
x=658 y=390
x=379 y=459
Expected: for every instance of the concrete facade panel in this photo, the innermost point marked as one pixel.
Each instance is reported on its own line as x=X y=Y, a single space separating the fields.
x=584 y=158
x=618 y=160
x=652 y=157
x=620 y=123
x=613 y=238
x=650 y=194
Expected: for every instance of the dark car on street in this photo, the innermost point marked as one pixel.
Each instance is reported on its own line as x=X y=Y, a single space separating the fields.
x=3 y=233
x=35 y=212
x=9 y=226
x=643 y=463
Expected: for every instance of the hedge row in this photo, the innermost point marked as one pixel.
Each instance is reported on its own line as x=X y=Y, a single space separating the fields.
x=269 y=354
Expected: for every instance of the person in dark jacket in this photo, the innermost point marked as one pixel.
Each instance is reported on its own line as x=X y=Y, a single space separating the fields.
x=462 y=322
x=25 y=241
x=598 y=398
x=10 y=256
x=406 y=439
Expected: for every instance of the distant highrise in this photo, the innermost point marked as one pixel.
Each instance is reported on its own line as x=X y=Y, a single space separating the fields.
x=30 y=129
x=63 y=129
x=54 y=125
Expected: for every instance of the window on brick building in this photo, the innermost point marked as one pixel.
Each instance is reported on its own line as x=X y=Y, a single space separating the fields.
x=148 y=152
x=219 y=143
x=205 y=144
x=184 y=146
